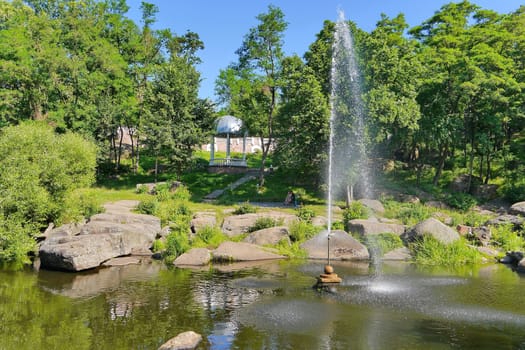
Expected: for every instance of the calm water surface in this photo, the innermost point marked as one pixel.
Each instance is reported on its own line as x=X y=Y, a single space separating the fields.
x=270 y=306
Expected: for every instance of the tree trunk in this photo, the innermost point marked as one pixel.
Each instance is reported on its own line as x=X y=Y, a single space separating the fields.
x=349 y=195
x=441 y=165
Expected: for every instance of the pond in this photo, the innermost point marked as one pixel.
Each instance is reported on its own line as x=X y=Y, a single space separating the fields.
x=269 y=306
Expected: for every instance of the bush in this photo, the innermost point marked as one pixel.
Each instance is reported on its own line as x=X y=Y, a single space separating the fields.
x=245 y=208
x=262 y=223
x=356 y=210
x=158 y=246
x=142 y=189
x=16 y=241
x=508 y=240
x=301 y=231
x=461 y=201
x=430 y=251
x=514 y=191
x=209 y=236
x=413 y=213
x=182 y=194
x=148 y=206
x=383 y=242
x=305 y=214
x=177 y=243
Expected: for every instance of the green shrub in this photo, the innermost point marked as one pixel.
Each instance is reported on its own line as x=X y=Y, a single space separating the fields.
x=158 y=246
x=338 y=225
x=16 y=241
x=142 y=189
x=514 y=190
x=262 y=223
x=293 y=250
x=383 y=242
x=430 y=251
x=460 y=200
x=163 y=194
x=504 y=237
x=301 y=231
x=148 y=206
x=245 y=208
x=412 y=213
x=305 y=214
x=356 y=210
x=209 y=236
x=177 y=243
x=182 y=193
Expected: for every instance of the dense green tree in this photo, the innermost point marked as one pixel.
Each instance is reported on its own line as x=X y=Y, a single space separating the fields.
x=392 y=73
x=251 y=87
x=303 y=128
x=38 y=169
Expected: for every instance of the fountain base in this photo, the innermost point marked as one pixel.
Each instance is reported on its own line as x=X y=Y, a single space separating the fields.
x=329 y=276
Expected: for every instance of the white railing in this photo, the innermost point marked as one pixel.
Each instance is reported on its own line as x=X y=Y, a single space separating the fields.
x=228 y=162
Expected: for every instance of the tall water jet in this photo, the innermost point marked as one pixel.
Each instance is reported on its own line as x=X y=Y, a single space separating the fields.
x=348 y=159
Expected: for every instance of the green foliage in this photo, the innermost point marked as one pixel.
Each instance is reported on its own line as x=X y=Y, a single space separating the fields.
x=159 y=245
x=148 y=206
x=356 y=210
x=16 y=241
x=504 y=237
x=264 y=222
x=38 y=171
x=209 y=236
x=383 y=242
x=177 y=243
x=292 y=251
x=80 y=204
x=305 y=214
x=408 y=213
x=514 y=191
x=430 y=251
x=182 y=193
x=244 y=208
x=301 y=231
x=142 y=189
x=461 y=201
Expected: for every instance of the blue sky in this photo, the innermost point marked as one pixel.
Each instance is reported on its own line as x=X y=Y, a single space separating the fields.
x=222 y=24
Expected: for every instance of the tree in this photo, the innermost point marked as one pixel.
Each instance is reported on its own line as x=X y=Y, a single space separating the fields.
x=38 y=169
x=251 y=87
x=303 y=128
x=392 y=73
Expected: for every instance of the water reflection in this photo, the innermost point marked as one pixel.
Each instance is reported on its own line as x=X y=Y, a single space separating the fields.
x=270 y=306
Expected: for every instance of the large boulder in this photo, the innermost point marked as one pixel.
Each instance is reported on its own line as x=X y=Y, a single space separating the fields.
x=242 y=251
x=517 y=209
x=369 y=227
x=342 y=247
x=269 y=236
x=203 y=219
x=184 y=341
x=235 y=225
x=373 y=205
x=194 y=257
x=84 y=252
x=506 y=219
x=432 y=227
x=106 y=236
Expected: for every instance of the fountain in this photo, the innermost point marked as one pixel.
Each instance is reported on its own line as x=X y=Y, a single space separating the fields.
x=347 y=145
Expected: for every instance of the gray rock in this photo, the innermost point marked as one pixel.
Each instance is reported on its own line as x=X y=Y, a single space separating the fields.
x=319 y=221
x=437 y=204
x=268 y=236
x=184 y=341
x=368 y=227
x=82 y=252
x=517 y=209
x=106 y=236
x=373 y=204
x=399 y=254
x=432 y=227
x=241 y=251
x=203 y=219
x=342 y=247
x=521 y=266
x=235 y=225
x=506 y=219
x=194 y=257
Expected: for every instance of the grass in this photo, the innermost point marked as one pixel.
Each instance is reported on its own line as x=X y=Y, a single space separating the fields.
x=430 y=251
